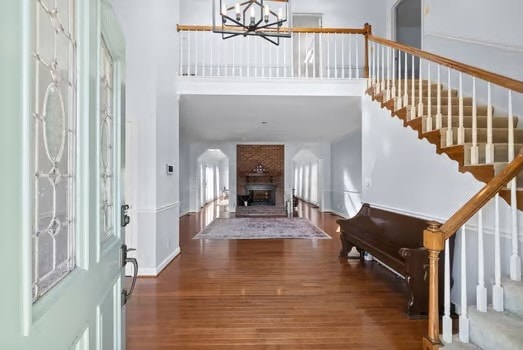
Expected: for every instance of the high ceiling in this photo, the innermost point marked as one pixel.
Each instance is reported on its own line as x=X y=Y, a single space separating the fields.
x=217 y=118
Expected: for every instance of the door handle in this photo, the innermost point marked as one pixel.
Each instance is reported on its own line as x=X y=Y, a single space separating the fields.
x=125 y=219
x=126 y=294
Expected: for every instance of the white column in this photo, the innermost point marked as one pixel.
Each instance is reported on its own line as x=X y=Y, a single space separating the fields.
x=497 y=289
x=464 y=323
x=481 y=290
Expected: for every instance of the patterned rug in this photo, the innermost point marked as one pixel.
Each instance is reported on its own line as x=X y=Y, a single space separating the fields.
x=261 y=228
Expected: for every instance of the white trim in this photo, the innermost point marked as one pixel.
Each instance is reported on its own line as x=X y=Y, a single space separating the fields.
x=159 y=209
x=407 y=212
x=468 y=40
x=335 y=212
x=153 y=272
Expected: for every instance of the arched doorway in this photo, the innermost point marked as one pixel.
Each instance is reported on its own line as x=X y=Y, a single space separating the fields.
x=213 y=177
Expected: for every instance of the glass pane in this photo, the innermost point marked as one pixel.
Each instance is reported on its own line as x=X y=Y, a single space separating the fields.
x=54 y=116
x=106 y=144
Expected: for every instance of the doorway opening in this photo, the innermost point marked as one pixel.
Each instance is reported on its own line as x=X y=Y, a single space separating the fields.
x=213 y=178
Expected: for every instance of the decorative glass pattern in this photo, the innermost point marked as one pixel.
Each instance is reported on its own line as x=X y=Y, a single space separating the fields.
x=106 y=143
x=55 y=135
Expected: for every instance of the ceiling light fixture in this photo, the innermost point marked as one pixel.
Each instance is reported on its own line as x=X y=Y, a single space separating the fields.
x=268 y=19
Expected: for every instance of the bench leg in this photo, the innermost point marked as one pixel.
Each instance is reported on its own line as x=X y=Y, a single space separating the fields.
x=346 y=247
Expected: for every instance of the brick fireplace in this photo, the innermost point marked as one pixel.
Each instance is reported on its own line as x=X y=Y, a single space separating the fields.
x=260 y=178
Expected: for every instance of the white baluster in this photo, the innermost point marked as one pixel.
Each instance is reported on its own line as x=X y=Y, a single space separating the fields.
x=357 y=61
x=383 y=68
x=189 y=63
x=271 y=57
x=429 y=99
x=241 y=56
x=328 y=56
x=180 y=69
x=393 y=89
x=399 y=98
x=420 y=91
x=450 y=135
x=489 y=147
x=211 y=37
x=284 y=60
x=378 y=69
x=307 y=55
x=406 y=77
x=292 y=55
x=387 y=89
x=196 y=57
x=219 y=57
x=299 y=55
x=481 y=290
x=474 y=154
x=336 y=68
x=464 y=322
x=447 y=321
x=461 y=129
x=439 y=116
x=515 y=260
x=351 y=75
x=204 y=52
x=262 y=54
x=314 y=36
x=342 y=56
x=497 y=289
x=413 y=92
x=321 y=56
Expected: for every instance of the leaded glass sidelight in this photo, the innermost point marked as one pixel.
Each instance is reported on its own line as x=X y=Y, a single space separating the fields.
x=106 y=143
x=55 y=137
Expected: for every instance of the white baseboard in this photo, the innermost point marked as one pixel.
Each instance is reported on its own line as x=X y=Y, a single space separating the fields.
x=332 y=211
x=153 y=272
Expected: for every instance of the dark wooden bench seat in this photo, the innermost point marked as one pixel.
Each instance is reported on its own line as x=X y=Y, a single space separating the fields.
x=395 y=240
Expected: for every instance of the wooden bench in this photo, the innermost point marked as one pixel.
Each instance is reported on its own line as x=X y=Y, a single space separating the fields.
x=396 y=241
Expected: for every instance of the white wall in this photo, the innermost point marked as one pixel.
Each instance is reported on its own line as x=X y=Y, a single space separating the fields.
x=152 y=106
x=346 y=168
x=483 y=33
x=336 y=13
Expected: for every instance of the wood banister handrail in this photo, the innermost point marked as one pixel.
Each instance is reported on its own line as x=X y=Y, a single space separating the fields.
x=362 y=31
x=481 y=198
x=497 y=79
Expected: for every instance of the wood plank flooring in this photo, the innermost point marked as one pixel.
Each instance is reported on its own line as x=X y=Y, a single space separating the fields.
x=269 y=294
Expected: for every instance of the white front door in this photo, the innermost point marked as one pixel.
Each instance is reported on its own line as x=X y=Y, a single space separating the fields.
x=61 y=153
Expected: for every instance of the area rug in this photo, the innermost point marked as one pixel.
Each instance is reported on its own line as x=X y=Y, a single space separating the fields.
x=261 y=228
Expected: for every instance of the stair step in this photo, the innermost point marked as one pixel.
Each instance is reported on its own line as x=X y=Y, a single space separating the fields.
x=500 y=152
x=513 y=296
x=458 y=345
x=499 y=135
x=467 y=110
x=495 y=330
x=497 y=122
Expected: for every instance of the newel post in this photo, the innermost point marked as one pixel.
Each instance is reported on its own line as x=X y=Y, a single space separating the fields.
x=434 y=242
x=368 y=31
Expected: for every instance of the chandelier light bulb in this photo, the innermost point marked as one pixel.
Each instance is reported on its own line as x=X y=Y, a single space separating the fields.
x=238 y=13
x=280 y=14
x=267 y=13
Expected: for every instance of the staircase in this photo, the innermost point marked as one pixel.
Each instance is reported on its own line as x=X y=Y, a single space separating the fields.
x=459 y=150
x=494 y=330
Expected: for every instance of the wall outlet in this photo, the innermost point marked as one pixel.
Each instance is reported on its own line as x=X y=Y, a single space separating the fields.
x=368 y=182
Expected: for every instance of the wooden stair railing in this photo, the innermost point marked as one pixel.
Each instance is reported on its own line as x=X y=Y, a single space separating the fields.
x=339 y=56
x=436 y=235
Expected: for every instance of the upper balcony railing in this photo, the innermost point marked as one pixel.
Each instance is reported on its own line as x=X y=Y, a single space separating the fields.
x=311 y=53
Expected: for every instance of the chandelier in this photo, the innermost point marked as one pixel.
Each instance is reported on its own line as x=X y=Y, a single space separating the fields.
x=264 y=18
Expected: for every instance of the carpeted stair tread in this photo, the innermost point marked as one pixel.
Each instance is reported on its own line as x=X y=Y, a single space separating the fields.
x=499 y=135
x=497 y=122
x=467 y=110
x=500 y=152
x=495 y=330
x=513 y=296
x=458 y=345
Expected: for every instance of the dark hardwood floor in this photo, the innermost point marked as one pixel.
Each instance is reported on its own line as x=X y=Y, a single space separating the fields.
x=269 y=294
